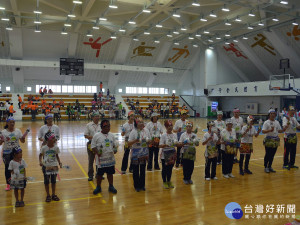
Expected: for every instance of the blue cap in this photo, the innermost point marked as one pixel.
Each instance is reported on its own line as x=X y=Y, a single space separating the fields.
x=10 y=119
x=48 y=116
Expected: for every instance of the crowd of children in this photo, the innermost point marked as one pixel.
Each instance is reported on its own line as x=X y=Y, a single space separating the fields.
x=142 y=141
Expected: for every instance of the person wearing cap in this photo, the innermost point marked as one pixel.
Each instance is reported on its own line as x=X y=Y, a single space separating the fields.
x=248 y=131
x=139 y=139
x=237 y=123
x=126 y=129
x=188 y=140
x=211 y=139
x=90 y=130
x=290 y=139
x=228 y=145
x=105 y=146
x=271 y=128
x=49 y=126
x=220 y=125
x=10 y=138
x=167 y=144
x=180 y=128
x=155 y=129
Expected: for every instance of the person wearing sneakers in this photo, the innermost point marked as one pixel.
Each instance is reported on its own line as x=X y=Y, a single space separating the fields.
x=18 y=175
x=9 y=137
x=189 y=141
x=228 y=145
x=290 y=139
x=167 y=144
x=139 y=140
x=180 y=128
x=220 y=125
x=271 y=128
x=90 y=130
x=237 y=123
x=49 y=161
x=105 y=146
x=155 y=129
x=210 y=139
x=248 y=131
x=126 y=129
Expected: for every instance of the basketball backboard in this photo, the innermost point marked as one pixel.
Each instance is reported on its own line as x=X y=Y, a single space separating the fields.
x=284 y=82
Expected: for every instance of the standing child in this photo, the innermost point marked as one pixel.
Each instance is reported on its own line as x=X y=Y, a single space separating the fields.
x=18 y=175
x=49 y=155
x=248 y=131
x=167 y=145
x=189 y=141
x=105 y=146
x=210 y=139
x=138 y=140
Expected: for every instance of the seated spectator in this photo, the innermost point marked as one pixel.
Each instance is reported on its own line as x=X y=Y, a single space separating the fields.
x=95 y=97
x=44 y=109
x=30 y=98
x=127 y=100
x=50 y=107
x=23 y=108
x=37 y=98
x=54 y=102
x=61 y=103
x=43 y=102
x=137 y=102
x=47 y=111
x=41 y=92
x=50 y=91
x=45 y=90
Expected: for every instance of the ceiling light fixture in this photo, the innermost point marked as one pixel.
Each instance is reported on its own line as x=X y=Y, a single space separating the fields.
x=2 y=8
x=95 y=28
x=157 y=41
x=227 y=35
x=275 y=19
x=251 y=14
x=250 y=27
x=211 y=47
x=67 y=25
x=175 y=32
x=236 y=41
x=210 y=40
x=89 y=35
x=9 y=28
x=113 y=37
x=218 y=38
x=64 y=33
x=206 y=32
x=195 y=46
x=183 y=29
x=170 y=35
x=203 y=19
x=71 y=15
x=284 y=2
x=132 y=22
x=176 y=15
x=77 y=2
x=176 y=43
x=238 y=19
x=122 y=30
x=261 y=24
x=146 y=11
x=37 y=31
x=212 y=14
x=159 y=25
x=225 y=9
x=146 y=32
x=198 y=35
x=5 y=19
x=295 y=23
x=135 y=39
x=191 y=38
x=37 y=22
x=245 y=38
x=37 y=12
x=196 y=3
x=227 y=23
x=103 y=19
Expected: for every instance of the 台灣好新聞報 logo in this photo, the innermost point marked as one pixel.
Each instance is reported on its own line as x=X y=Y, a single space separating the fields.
x=233 y=211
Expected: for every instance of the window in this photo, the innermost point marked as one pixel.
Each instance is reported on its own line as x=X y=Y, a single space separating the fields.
x=153 y=90
x=55 y=88
x=161 y=91
x=64 y=89
x=7 y=88
x=166 y=91
x=131 y=90
x=92 y=89
x=70 y=88
x=142 y=90
x=79 y=89
x=28 y=88
x=174 y=92
x=0 y=87
x=120 y=90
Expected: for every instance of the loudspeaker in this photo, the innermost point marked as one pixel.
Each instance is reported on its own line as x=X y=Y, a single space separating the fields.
x=206 y=91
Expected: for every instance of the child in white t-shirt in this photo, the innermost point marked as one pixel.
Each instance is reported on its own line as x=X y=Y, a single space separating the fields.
x=210 y=139
x=189 y=141
x=49 y=161
x=18 y=175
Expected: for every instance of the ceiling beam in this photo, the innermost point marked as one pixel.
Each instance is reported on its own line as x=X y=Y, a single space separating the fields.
x=14 y=7
x=85 y=11
x=255 y=59
x=54 y=6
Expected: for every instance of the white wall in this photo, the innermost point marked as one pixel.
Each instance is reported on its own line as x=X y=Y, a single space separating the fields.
x=226 y=74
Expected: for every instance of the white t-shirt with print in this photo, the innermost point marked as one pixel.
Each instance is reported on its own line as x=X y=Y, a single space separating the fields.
x=44 y=129
x=11 y=140
x=268 y=124
x=91 y=129
x=105 y=142
x=18 y=168
x=227 y=136
x=212 y=142
x=143 y=136
x=237 y=124
x=167 y=139
x=191 y=136
x=220 y=124
x=49 y=155
x=128 y=128
x=155 y=129
x=248 y=138
x=292 y=128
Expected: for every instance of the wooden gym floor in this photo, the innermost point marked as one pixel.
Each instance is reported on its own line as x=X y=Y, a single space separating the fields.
x=200 y=203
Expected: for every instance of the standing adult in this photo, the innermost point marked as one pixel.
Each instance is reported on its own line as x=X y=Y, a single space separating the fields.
x=220 y=125
x=290 y=139
x=90 y=130
x=155 y=129
x=271 y=128
x=237 y=123
x=180 y=128
x=10 y=136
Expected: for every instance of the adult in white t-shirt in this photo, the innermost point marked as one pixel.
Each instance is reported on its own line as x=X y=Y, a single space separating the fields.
x=90 y=130
x=228 y=145
x=105 y=146
x=49 y=126
x=237 y=123
x=9 y=137
x=139 y=139
x=155 y=129
x=126 y=129
x=290 y=139
x=248 y=131
x=180 y=128
x=220 y=125
x=271 y=128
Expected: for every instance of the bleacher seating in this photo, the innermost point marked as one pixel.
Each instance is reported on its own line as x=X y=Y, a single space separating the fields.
x=85 y=99
x=4 y=97
x=145 y=100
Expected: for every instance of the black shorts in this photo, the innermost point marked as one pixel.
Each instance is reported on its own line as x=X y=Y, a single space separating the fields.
x=48 y=178
x=108 y=170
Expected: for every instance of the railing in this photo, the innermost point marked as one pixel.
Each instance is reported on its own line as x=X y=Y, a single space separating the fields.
x=192 y=111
